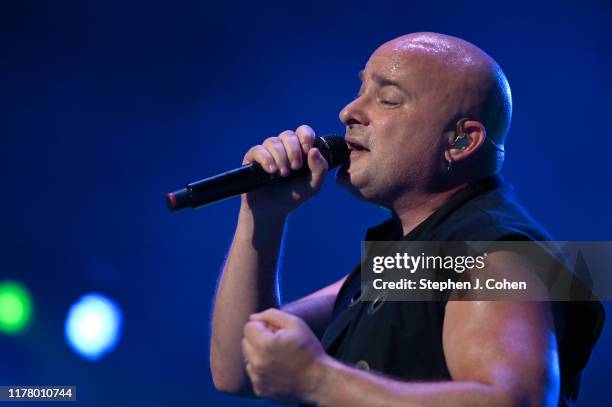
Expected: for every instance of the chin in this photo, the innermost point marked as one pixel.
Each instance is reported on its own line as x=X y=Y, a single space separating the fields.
x=343 y=178
x=360 y=190
x=345 y=181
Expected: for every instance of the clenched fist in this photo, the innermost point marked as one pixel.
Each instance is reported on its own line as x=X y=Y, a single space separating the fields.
x=284 y=359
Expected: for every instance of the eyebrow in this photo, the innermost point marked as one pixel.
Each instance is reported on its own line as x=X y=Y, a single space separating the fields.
x=380 y=80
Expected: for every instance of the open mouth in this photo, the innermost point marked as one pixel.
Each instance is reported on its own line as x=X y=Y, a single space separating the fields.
x=353 y=146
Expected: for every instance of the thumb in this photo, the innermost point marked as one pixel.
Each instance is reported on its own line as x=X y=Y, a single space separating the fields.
x=318 y=168
x=274 y=318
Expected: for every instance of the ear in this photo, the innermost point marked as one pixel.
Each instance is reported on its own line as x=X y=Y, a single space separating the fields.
x=467 y=139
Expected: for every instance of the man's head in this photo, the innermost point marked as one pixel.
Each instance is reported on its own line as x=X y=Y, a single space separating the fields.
x=415 y=91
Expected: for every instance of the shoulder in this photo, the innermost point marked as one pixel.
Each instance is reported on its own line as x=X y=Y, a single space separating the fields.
x=493 y=215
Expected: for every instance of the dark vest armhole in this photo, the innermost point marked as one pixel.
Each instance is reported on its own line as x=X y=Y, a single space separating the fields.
x=343 y=289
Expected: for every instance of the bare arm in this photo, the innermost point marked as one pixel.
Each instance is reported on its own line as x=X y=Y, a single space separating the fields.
x=498 y=354
x=316 y=309
x=251 y=289
x=249 y=283
x=515 y=365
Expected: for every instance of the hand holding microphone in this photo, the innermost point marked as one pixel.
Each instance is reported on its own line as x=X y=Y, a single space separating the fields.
x=277 y=176
x=283 y=157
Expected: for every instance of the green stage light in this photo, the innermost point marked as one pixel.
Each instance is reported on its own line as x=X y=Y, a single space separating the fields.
x=15 y=307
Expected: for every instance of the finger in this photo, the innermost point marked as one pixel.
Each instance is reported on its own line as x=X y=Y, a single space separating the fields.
x=274 y=317
x=275 y=146
x=318 y=168
x=257 y=333
x=249 y=353
x=293 y=148
x=261 y=156
x=254 y=378
x=250 y=372
x=306 y=135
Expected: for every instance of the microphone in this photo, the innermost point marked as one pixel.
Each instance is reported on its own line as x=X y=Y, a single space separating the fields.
x=249 y=177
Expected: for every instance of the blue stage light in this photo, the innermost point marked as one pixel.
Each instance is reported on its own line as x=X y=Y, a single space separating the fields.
x=93 y=326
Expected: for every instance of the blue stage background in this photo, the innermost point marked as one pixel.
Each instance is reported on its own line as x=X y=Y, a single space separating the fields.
x=109 y=105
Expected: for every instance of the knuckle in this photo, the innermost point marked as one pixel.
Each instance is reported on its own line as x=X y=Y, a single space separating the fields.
x=251 y=151
x=271 y=141
x=305 y=129
x=286 y=134
x=260 y=153
x=247 y=328
x=305 y=132
x=263 y=157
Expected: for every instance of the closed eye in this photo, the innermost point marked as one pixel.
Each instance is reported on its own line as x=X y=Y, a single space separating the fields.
x=389 y=102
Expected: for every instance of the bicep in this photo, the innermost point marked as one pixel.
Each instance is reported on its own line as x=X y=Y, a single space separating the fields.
x=510 y=345
x=316 y=308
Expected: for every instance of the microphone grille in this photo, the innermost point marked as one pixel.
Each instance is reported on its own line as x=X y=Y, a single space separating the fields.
x=333 y=148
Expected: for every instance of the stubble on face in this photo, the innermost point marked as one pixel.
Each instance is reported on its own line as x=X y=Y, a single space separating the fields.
x=406 y=144
x=396 y=136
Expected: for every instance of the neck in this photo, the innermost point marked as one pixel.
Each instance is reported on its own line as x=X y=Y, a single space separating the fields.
x=414 y=208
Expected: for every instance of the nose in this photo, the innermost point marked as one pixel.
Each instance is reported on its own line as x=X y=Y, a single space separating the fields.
x=354 y=113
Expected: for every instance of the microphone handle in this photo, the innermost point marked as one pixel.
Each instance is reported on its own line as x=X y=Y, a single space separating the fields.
x=226 y=185
x=249 y=177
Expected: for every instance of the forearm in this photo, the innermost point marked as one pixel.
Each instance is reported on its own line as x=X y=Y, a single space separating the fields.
x=344 y=386
x=248 y=284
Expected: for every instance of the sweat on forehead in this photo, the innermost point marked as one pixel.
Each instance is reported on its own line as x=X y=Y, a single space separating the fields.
x=444 y=48
x=459 y=75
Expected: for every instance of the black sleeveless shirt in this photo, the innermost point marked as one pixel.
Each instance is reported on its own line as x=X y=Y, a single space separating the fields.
x=403 y=339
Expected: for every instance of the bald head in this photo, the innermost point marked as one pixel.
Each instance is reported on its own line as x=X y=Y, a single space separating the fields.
x=414 y=92
x=466 y=81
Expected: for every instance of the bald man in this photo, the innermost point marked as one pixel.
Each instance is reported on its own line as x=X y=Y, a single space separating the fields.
x=426 y=135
